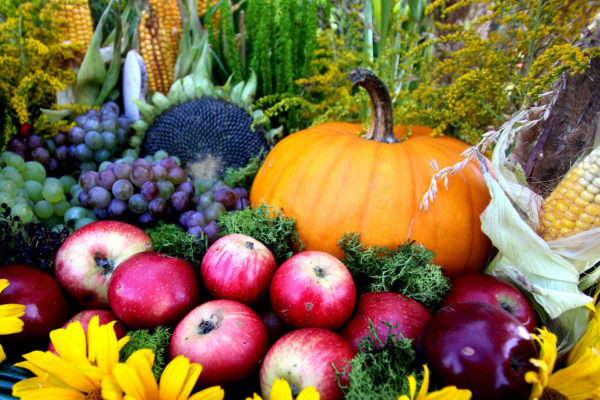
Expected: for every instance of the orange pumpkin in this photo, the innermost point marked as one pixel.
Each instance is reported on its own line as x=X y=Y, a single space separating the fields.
x=332 y=180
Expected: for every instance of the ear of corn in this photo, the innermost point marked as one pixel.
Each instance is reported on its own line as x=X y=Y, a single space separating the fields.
x=159 y=32
x=574 y=206
x=78 y=26
x=204 y=6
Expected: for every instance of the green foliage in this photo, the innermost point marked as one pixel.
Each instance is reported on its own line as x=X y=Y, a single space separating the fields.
x=157 y=341
x=380 y=369
x=407 y=270
x=244 y=176
x=268 y=225
x=171 y=239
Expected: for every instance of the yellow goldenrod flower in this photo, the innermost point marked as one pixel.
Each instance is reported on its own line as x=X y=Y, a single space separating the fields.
x=281 y=391
x=447 y=393
x=78 y=369
x=135 y=380
x=10 y=315
x=579 y=380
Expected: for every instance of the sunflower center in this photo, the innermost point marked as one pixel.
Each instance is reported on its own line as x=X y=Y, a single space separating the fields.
x=552 y=394
x=95 y=394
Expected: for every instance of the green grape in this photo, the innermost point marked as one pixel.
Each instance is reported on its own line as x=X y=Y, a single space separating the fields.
x=6 y=198
x=82 y=222
x=14 y=175
x=15 y=160
x=74 y=190
x=61 y=207
x=8 y=186
x=67 y=182
x=33 y=190
x=53 y=192
x=101 y=155
x=177 y=160
x=75 y=213
x=160 y=154
x=131 y=153
x=103 y=165
x=43 y=209
x=88 y=166
x=52 y=179
x=23 y=211
x=34 y=171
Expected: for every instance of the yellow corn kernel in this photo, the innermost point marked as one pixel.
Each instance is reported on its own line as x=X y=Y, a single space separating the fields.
x=574 y=205
x=78 y=27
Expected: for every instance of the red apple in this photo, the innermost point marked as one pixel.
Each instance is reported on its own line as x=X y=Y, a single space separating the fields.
x=104 y=317
x=226 y=337
x=45 y=306
x=313 y=289
x=150 y=289
x=238 y=267
x=407 y=316
x=480 y=347
x=86 y=260
x=495 y=291
x=304 y=357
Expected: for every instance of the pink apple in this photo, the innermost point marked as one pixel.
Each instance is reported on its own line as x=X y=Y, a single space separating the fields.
x=45 y=306
x=150 y=289
x=495 y=291
x=86 y=260
x=306 y=357
x=226 y=337
x=104 y=317
x=238 y=267
x=313 y=289
x=407 y=316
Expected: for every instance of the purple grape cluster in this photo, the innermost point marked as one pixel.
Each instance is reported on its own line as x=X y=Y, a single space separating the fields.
x=144 y=192
x=98 y=135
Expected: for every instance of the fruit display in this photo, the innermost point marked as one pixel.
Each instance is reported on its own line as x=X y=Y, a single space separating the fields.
x=301 y=200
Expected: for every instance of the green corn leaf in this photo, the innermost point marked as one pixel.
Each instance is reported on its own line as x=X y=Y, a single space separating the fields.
x=114 y=69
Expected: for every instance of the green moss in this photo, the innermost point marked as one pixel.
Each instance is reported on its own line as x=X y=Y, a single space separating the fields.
x=266 y=224
x=157 y=341
x=244 y=176
x=407 y=270
x=171 y=239
x=379 y=370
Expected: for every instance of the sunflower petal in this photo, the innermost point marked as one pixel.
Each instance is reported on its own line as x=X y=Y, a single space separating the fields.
x=54 y=394
x=178 y=379
x=70 y=343
x=10 y=325
x=2 y=354
x=135 y=376
x=211 y=393
x=61 y=369
x=281 y=390
x=12 y=310
x=111 y=389
x=3 y=284
x=309 y=393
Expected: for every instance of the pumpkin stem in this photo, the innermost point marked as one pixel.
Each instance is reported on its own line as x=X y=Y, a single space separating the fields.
x=382 y=123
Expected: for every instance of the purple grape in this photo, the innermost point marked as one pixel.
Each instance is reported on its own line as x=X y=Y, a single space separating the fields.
x=140 y=161
x=149 y=190
x=214 y=211
x=212 y=231
x=83 y=198
x=240 y=192
x=187 y=187
x=180 y=201
x=196 y=231
x=106 y=179
x=166 y=189
x=122 y=189
x=99 y=197
x=52 y=165
x=146 y=219
x=196 y=218
x=158 y=207
x=226 y=196
x=177 y=175
x=168 y=163
x=110 y=107
x=101 y=213
x=138 y=204
x=139 y=175
x=159 y=172
x=117 y=208
x=83 y=153
x=16 y=145
x=79 y=120
x=205 y=199
x=241 y=203
x=110 y=124
x=76 y=135
x=35 y=141
x=122 y=170
x=60 y=139
x=88 y=180
x=111 y=167
x=92 y=124
x=217 y=184
x=41 y=155
x=184 y=217
x=61 y=153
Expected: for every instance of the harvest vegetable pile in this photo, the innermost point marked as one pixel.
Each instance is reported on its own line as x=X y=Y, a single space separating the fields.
x=355 y=199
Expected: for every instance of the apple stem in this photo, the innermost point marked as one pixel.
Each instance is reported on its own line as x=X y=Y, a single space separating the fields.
x=250 y=245
x=320 y=272
x=104 y=264
x=206 y=326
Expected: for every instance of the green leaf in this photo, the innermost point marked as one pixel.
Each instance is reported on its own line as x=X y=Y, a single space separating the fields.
x=114 y=69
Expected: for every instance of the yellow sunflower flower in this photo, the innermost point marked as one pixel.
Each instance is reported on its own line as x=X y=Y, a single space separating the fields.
x=281 y=391
x=77 y=372
x=10 y=315
x=134 y=380
x=447 y=393
x=579 y=380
